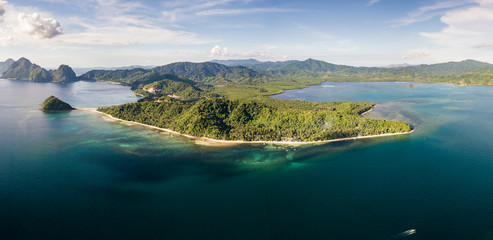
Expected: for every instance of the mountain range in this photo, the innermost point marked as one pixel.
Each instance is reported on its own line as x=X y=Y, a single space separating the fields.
x=250 y=71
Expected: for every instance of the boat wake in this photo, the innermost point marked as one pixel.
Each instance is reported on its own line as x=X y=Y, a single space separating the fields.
x=405 y=233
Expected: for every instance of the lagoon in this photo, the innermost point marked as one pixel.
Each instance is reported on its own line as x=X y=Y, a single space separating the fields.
x=78 y=175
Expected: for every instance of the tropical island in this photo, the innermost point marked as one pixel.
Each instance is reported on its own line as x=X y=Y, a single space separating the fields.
x=53 y=104
x=230 y=100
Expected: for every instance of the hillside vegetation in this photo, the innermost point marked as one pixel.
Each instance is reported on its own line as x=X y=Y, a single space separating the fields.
x=220 y=118
x=53 y=104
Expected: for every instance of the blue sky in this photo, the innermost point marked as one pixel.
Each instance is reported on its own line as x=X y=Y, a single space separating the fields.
x=91 y=33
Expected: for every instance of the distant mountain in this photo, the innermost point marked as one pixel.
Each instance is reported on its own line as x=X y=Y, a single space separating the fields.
x=268 y=66
x=317 y=66
x=133 y=77
x=206 y=73
x=5 y=65
x=398 y=65
x=23 y=69
x=133 y=67
x=209 y=72
x=237 y=62
x=81 y=70
x=449 y=68
x=254 y=64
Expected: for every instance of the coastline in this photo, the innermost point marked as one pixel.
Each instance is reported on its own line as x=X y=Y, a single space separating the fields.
x=211 y=141
x=368 y=111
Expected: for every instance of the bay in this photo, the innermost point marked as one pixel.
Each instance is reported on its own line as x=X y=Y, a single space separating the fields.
x=78 y=175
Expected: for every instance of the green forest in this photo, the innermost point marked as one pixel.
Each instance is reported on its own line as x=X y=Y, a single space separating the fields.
x=286 y=120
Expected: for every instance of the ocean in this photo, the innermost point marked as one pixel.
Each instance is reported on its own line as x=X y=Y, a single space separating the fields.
x=79 y=175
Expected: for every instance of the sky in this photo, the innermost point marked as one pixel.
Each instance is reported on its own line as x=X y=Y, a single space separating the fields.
x=112 y=33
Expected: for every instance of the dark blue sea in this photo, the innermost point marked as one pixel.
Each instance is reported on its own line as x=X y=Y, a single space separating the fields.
x=79 y=175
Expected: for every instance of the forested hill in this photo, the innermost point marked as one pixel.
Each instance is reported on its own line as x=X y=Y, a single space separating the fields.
x=253 y=72
x=23 y=69
x=130 y=77
x=449 y=68
x=255 y=64
x=210 y=73
x=225 y=119
x=460 y=73
x=205 y=73
x=317 y=66
x=5 y=65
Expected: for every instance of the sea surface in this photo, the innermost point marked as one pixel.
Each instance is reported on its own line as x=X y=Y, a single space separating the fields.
x=78 y=175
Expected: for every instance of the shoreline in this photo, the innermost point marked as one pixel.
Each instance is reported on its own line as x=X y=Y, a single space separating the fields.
x=211 y=141
x=368 y=111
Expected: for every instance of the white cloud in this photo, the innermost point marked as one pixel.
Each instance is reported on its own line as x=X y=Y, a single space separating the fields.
x=428 y=12
x=180 y=10
x=371 y=2
x=193 y=9
x=35 y=25
x=218 y=51
x=466 y=27
x=417 y=53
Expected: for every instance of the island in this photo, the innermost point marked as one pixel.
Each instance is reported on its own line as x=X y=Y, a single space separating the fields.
x=53 y=104
x=23 y=69
x=257 y=121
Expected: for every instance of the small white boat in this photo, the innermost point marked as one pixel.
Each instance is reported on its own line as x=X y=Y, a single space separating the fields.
x=410 y=231
x=406 y=233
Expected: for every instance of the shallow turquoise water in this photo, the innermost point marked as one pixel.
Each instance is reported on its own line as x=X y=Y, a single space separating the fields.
x=80 y=176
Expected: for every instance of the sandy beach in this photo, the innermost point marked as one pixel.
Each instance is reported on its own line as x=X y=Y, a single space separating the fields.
x=212 y=142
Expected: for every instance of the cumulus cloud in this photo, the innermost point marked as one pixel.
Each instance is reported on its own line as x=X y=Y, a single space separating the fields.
x=417 y=53
x=218 y=51
x=39 y=27
x=466 y=27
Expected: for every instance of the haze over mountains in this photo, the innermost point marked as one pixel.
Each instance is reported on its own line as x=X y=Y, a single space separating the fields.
x=5 y=65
